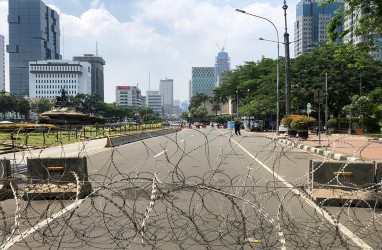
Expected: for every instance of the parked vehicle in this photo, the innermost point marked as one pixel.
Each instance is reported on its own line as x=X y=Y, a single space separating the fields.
x=257 y=125
x=283 y=129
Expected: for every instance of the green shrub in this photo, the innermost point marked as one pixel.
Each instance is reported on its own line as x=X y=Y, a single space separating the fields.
x=332 y=123
x=302 y=122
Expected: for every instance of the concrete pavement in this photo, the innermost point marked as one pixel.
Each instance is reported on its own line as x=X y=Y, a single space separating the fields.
x=336 y=146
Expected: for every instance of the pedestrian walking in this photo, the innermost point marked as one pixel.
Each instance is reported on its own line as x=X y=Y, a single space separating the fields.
x=237 y=126
x=13 y=140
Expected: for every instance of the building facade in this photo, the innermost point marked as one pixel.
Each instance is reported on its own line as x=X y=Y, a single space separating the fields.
x=184 y=106
x=2 y=63
x=97 y=64
x=222 y=65
x=48 y=78
x=311 y=23
x=154 y=101
x=351 y=23
x=128 y=96
x=166 y=88
x=34 y=34
x=202 y=80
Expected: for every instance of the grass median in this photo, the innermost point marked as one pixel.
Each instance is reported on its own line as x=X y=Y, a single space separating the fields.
x=48 y=137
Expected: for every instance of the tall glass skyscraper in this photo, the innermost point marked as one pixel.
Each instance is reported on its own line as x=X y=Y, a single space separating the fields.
x=34 y=34
x=222 y=64
x=203 y=80
x=311 y=23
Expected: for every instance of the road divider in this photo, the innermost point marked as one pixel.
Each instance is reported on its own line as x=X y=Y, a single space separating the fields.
x=125 y=139
x=339 y=183
x=57 y=178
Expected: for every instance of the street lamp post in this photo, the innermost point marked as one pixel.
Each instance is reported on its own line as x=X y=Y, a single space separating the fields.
x=287 y=64
x=278 y=67
x=237 y=104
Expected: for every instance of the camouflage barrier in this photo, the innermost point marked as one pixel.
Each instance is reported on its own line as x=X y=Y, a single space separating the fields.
x=336 y=183
x=57 y=178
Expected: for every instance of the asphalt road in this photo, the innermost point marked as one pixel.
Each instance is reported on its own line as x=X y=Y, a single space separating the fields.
x=196 y=189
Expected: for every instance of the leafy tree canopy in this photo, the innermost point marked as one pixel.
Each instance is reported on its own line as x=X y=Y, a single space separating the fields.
x=368 y=11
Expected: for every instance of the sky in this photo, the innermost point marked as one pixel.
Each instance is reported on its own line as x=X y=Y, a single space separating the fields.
x=144 y=41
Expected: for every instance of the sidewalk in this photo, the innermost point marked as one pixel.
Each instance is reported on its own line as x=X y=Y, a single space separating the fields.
x=338 y=146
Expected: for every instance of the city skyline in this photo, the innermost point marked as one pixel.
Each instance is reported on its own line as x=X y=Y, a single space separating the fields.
x=151 y=40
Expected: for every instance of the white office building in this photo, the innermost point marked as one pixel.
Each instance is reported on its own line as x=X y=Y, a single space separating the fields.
x=47 y=78
x=154 y=101
x=128 y=96
x=166 y=88
x=2 y=63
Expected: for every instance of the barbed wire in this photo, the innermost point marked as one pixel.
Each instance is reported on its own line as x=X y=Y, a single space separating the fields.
x=203 y=191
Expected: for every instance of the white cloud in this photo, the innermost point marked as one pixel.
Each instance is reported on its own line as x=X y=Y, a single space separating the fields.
x=166 y=38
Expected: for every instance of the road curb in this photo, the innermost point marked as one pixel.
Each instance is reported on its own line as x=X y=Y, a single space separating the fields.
x=319 y=151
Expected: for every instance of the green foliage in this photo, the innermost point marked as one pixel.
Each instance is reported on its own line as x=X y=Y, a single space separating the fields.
x=14 y=103
x=221 y=119
x=109 y=110
x=42 y=105
x=370 y=21
x=332 y=123
x=302 y=122
x=287 y=120
x=199 y=114
x=350 y=70
x=198 y=100
x=184 y=116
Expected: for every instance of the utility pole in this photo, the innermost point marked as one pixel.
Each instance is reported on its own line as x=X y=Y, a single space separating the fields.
x=326 y=104
x=287 y=64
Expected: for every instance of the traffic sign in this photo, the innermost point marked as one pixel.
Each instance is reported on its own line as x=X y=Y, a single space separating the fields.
x=308 y=108
x=318 y=96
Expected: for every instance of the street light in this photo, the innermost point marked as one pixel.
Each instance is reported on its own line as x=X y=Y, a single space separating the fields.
x=278 y=67
x=237 y=104
x=287 y=63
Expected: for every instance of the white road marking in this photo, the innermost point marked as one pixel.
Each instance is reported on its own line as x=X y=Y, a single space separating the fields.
x=325 y=214
x=10 y=242
x=181 y=141
x=160 y=153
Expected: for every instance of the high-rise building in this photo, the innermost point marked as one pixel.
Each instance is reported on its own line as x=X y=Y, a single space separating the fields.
x=34 y=34
x=222 y=65
x=311 y=23
x=351 y=23
x=166 y=88
x=97 y=64
x=184 y=106
x=203 y=80
x=128 y=96
x=48 y=78
x=2 y=63
x=154 y=100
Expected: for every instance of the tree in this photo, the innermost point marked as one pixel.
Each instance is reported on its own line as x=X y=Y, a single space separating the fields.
x=146 y=113
x=23 y=107
x=4 y=102
x=199 y=113
x=43 y=105
x=350 y=70
x=369 y=13
x=375 y=98
x=198 y=100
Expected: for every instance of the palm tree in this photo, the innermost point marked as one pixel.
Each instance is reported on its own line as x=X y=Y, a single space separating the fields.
x=198 y=100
